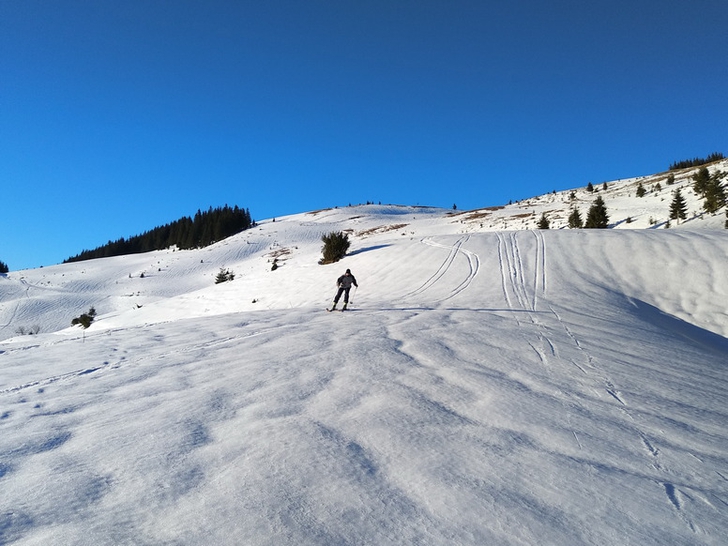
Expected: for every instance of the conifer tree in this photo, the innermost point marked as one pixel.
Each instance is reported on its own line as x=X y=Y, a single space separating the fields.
x=641 y=190
x=714 y=195
x=597 y=216
x=3 y=267
x=678 y=207
x=575 y=220
x=701 y=179
x=206 y=228
x=85 y=319
x=590 y=187
x=224 y=275
x=336 y=244
x=543 y=223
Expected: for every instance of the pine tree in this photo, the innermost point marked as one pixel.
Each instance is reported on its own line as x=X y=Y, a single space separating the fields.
x=701 y=179
x=3 y=268
x=575 y=220
x=597 y=216
x=641 y=190
x=714 y=195
x=543 y=223
x=590 y=187
x=678 y=207
x=224 y=275
x=336 y=244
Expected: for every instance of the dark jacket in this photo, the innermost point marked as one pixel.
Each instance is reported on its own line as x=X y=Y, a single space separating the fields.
x=345 y=281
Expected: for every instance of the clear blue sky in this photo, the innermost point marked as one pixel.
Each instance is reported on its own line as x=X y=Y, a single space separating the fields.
x=117 y=116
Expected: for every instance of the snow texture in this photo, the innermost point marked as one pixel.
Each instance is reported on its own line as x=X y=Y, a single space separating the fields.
x=487 y=387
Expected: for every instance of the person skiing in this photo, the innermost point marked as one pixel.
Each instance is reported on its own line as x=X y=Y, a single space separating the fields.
x=344 y=283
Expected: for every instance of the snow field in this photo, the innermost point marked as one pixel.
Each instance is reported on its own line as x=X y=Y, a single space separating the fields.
x=555 y=387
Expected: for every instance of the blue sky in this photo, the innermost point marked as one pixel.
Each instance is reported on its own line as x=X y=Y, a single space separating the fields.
x=119 y=116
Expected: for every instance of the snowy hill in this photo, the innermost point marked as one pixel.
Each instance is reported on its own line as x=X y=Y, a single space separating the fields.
x=491 y=384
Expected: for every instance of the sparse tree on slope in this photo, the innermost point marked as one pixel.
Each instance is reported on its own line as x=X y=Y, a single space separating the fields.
x=575 y=220
x=85 y=319
x=678 y=207
x=714 y=194
x=224 y=275
x=543 y=223
x=597 y=216
x=701 y=179
x=336 y=245
x=4 y=268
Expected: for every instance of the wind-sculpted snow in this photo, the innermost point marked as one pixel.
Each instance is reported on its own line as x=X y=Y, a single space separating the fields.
x=485 y=388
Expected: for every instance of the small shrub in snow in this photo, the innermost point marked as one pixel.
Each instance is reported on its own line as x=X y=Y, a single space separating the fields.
x=85 y=319
x=224 y=275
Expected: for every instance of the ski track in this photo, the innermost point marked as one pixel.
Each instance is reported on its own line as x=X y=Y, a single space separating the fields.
x=436 y=277
x=522 y=291
x=524 y=286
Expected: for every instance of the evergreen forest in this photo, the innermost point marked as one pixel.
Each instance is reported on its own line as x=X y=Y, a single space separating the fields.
x=696 y=162
x=203 y=230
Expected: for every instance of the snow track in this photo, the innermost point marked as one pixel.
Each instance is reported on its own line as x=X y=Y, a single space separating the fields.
x=445 y=269
x=548 y=335
x=589 y=408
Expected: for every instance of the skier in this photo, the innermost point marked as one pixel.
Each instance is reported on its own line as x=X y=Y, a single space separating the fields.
x=344 y=283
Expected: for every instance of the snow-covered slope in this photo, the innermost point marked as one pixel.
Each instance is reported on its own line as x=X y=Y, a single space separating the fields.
x=626 y=210
x=488 y=387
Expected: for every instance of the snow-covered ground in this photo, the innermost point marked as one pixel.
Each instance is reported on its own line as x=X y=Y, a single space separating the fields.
x=489 y=385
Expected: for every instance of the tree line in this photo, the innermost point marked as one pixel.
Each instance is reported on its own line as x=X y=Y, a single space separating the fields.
x=203 y=230
x=697 y=161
